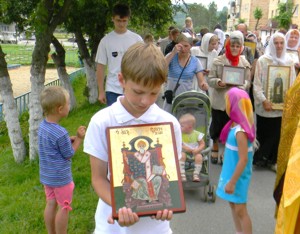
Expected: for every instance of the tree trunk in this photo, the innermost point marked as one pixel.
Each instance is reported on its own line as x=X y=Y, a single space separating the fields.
x=59 y=60
x=37 y=78
x=256 y=24
x=11 y=115
x=90 y=68
x=47 y=21
x=91 y=78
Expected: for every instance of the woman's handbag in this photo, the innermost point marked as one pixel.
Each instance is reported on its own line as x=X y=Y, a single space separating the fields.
x=169 y=94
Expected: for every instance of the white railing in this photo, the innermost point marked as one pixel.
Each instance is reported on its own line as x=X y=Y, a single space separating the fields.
x=23 y=100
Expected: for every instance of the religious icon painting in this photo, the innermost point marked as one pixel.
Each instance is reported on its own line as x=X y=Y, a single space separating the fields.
x=278 y=82
x=144 y=169
x=233 y=75
x=252 y=46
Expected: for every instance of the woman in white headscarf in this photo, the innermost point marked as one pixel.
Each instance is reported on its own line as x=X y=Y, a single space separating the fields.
x=221 y=36
x=206 y=49
x=293 y=41
x=269 y=119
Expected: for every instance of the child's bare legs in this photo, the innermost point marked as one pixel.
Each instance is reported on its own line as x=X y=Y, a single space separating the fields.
x=182 y=166
x=49 y=215
x=61 y=221
x=198 y=167
x=241 y=218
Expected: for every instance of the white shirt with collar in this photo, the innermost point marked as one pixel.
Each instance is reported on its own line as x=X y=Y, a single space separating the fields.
x=110 y=52
x=95 y=143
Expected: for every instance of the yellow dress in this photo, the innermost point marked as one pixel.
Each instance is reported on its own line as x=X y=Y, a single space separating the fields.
x=288 y=161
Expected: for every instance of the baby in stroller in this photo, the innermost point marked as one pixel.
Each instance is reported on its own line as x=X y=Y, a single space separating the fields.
x=192 y=144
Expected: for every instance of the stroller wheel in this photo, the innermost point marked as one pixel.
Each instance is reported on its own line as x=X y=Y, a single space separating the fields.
x=212 y=192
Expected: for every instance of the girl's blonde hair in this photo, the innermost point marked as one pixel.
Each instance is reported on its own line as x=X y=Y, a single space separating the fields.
x=144 y=63
x=53 y=97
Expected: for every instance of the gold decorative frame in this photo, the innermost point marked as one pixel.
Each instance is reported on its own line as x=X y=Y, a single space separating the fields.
x=278 y=82
x=144 y=168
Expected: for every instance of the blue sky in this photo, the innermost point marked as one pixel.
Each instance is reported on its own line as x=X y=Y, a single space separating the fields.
x=220 y=3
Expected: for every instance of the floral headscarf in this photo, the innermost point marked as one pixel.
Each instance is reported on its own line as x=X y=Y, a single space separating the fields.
x=240 y=111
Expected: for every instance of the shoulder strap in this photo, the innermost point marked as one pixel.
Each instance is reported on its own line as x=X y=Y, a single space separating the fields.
x=177 y=83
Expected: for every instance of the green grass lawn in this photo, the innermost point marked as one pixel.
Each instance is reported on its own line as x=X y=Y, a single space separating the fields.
x=22 y=54
x=22 y=198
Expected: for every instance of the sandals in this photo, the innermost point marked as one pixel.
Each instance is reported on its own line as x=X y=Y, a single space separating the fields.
x=214 y=159
x=222 y=158
x=196 y=178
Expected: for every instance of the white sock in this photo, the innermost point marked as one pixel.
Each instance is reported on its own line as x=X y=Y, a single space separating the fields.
x=198 y=168
x=182 y=167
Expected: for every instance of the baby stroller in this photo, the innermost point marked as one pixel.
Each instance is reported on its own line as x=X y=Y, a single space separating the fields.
x=198 y=104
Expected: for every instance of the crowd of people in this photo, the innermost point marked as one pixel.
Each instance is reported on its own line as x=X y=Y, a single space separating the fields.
x=250 y=115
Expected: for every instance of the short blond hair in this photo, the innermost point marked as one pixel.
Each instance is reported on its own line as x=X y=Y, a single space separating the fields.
x=188 y=118
x=144 y=63
x=53 y=97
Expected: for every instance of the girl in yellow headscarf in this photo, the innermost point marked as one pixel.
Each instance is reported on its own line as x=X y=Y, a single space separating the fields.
x=235 y=177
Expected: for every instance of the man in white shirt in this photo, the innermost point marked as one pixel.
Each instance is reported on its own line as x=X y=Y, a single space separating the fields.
x=110 y=52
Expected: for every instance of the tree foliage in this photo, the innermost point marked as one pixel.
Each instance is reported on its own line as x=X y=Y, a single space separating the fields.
x=19 y=12
x=285 y=14
x=202 y=16
x=222 y=18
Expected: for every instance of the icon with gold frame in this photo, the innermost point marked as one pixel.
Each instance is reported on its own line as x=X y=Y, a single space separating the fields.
x=278 y=82
x=144 y=168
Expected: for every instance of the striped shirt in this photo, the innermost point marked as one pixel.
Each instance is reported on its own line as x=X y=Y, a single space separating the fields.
x=186 y=81
x=55 y=150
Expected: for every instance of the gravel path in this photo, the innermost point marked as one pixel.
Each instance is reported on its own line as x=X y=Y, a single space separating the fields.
x=20 y=78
